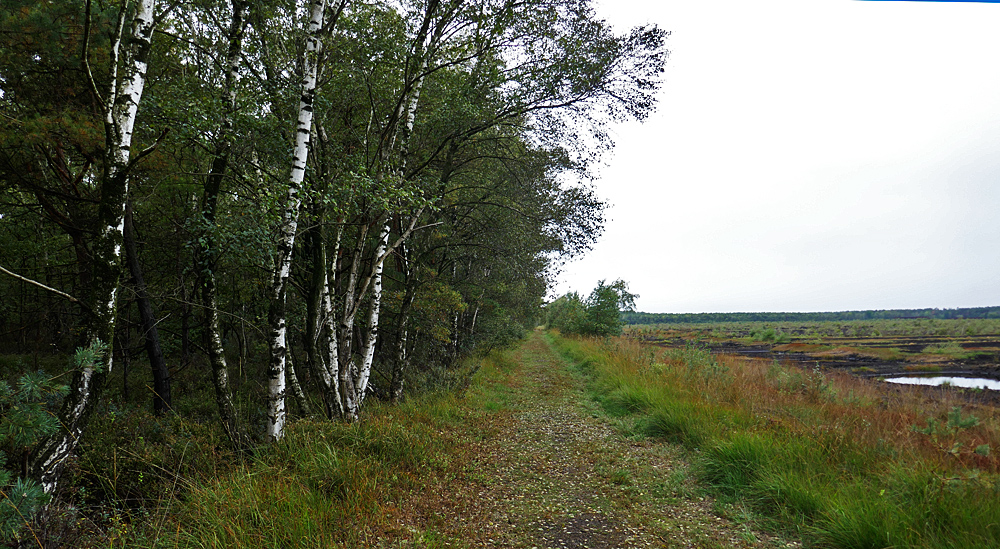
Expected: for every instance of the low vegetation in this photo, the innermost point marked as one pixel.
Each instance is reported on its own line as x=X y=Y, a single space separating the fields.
x=172 y=482
x=919 y=343
x=597 y=315
x=832 y=459
x=719 y=451
x=814 y=330
x=840 y=316
x=517 y=457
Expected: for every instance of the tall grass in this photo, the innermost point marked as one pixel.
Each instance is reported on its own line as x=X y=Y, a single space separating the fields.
x=327 y=484
x=835 y=458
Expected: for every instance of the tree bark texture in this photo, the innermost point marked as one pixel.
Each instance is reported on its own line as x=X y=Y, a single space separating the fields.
x=286 y=241
x=207 y=248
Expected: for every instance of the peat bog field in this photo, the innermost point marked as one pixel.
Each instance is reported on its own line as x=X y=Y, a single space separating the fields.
x=872 y=349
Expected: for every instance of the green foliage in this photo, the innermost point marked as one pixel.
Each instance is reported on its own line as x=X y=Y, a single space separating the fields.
x=434 y=307
x=26 y=416
x=567 y=313
x=512 y=97
x=599 y=315
x=736 y=464
x=134 y=459
x=770 y=335
x=944 y=434
x=321 y=484
x=675 y=421
x=604 y=308
x=22 y=498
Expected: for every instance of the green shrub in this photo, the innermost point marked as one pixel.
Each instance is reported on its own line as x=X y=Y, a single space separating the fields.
x=600 y=315
x=132 y=458
x=771 y=335
x=27 y=415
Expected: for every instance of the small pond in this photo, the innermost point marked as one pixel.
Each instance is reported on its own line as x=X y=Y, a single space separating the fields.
x=970 y=382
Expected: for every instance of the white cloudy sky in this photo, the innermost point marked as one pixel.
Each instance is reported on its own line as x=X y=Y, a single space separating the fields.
x=808 y=155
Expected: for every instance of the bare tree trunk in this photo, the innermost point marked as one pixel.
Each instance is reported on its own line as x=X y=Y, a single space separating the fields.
x=368 y=353
x=283 y=260
x=300 y=396
x=147 y=320
x=331 y=372
x=345 y=332
x=399 y=366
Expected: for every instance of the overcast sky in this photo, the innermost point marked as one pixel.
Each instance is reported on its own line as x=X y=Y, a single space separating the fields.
x=808 y=155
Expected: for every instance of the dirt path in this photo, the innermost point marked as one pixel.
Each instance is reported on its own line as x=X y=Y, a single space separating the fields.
x=549 y=471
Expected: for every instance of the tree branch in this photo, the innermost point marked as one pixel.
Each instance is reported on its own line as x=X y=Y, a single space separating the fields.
x=86 y=58
x=44 y=287
x=147 y=151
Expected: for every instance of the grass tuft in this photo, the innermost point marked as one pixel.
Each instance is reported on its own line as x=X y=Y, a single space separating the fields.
x=675 y=422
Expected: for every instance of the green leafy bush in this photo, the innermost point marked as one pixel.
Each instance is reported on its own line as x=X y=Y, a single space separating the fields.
x=599 y=315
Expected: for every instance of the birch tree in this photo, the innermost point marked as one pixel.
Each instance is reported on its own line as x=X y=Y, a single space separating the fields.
x=207 y=248
x=101 y=171
x=547 y=72
x=289 y=223
x=524 y=66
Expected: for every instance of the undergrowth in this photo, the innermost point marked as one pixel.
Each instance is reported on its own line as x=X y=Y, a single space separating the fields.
x=169 y=482
x=828 y=458
x=325 y=484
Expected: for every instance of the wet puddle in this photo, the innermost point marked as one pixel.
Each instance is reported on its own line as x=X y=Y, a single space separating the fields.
x=954 y=381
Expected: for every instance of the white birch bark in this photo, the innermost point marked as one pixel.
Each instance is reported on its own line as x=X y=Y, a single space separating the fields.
x=331 y=377
x=351 y=367
x=286 y=241
x=345 y=333
x=120 y=108
x=368 y=355
x=300 y=395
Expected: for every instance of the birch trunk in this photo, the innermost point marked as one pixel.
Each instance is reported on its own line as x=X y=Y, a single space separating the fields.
x=368 y=355
x=300 y=395
x=331 y=371
x=120 y=107
x=399 y=365
x=206 y=248
x=351 y=349
x=345 y=333
x=286 y=241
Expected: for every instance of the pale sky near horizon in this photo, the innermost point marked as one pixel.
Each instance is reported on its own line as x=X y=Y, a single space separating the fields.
x=808 y=155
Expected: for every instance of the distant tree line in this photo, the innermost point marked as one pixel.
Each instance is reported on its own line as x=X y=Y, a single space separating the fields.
x=888 y=314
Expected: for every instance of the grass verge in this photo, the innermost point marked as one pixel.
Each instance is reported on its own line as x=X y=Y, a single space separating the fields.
x=328 y=484
x=829 y=458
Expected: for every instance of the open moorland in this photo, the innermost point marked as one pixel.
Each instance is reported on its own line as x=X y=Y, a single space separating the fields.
x=879 y=348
